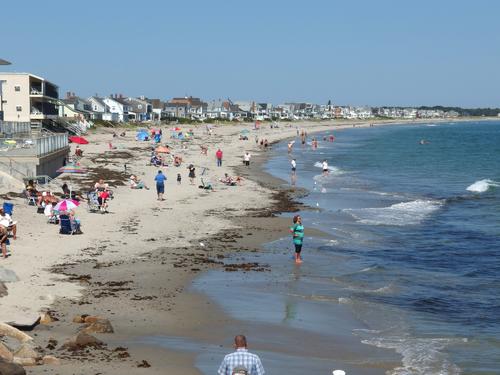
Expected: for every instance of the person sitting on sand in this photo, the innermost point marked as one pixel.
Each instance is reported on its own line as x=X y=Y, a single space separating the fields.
x=204 y=150
x=177 y=161
x=135 y=183
x=75 y=223
x=228 y=180
x=31 y=188
x=78 y=152
x=46 y=197
x=6 y=221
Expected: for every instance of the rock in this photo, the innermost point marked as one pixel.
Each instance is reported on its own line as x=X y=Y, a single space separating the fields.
x=79 y=318
x=5 y=353
x=7 y=276
x=27 y=350
x=46 y=319
x=10 y=368
x=82 y=340
x=3 y=290
x=7 y=330
x=51 y=360
x=25 y=361
x=99 y=326
x=92 y=319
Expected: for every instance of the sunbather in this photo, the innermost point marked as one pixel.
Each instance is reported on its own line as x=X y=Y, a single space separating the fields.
x=8 y=223
x=135 y=183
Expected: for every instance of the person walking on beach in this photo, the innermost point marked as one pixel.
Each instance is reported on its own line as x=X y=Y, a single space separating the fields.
x=241 y=361
x=297 y=231
x=160 y=185
x=191 y=174
x=218 y=156
x=246 y=158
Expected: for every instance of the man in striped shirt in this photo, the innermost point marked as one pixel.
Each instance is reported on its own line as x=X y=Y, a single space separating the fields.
x=241 y=358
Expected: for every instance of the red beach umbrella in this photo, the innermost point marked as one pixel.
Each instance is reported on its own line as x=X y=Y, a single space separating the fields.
x=78 y=140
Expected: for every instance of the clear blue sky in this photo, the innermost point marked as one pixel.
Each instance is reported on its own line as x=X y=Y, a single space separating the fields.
x=372 y=52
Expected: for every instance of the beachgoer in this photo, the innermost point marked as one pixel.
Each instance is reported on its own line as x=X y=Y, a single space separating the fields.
x=294 y=166
x=136 y=183
x=191 y=174
x=297 y=231
x=102 y=198
x=78 y=151
x=241 y=361
x=314 y=144
x=246 y=158
x=290 y=146
x=7 y=222
x=160 y=185
x=179 y=178
x=218 y=156
x=324 y=165
x=101 y=185
x=332 y=138
x=3 y=240
x=266 y=144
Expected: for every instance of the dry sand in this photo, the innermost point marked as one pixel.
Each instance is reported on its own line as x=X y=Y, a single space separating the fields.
x=132 y=265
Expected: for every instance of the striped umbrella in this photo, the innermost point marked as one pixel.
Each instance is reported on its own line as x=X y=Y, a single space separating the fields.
x=66 y=205
x=71 y=168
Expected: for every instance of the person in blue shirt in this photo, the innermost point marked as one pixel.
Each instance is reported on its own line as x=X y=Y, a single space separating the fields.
x=297 y=231
x=160 y=185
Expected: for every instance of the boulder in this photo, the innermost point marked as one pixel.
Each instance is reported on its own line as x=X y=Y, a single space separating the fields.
x=5 y=353
x=92 y=319
x=7 y=330
x=51 y=360
x=46 y=319
x=79 y=318
x=99 y=326
x=7 y=368
x=25 y=361
x=27 y=350
x=82 y=340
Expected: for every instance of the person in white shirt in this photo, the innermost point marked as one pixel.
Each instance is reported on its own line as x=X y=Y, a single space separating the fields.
x=246 y=158
x=7 y=222
x=325 y=167
x=294 y=166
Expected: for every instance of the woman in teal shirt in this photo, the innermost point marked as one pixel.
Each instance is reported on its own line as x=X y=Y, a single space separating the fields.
x=298 y=237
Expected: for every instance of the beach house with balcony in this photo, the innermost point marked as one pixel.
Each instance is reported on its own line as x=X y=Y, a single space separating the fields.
x=25 y=97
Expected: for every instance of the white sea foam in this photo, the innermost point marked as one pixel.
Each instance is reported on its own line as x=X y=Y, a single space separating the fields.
x=482 y=185
x=330 y=168
x=420 y=356
x=400 y=214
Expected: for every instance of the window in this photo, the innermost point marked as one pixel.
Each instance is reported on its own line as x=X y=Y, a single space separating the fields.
x=19 y=108
x=139 y=106
x=17 y=88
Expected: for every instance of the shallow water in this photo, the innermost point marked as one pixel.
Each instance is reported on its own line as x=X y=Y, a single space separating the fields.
x=421 y=225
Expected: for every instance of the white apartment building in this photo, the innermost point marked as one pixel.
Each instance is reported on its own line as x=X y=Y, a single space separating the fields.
x=25 y=97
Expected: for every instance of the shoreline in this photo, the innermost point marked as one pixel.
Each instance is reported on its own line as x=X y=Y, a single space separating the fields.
x=117 y=293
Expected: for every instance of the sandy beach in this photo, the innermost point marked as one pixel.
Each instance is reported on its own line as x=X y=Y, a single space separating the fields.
x=135 y=264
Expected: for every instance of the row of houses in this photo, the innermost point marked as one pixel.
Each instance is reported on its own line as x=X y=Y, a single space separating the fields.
x=26 y=97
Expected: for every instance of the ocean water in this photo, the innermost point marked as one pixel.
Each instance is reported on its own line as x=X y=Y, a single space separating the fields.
x=415 y=254
x=406 y=283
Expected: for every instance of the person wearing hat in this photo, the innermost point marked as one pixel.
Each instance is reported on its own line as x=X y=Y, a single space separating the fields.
x=241 y=362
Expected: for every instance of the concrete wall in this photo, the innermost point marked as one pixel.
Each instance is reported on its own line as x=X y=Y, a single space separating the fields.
x=21 y=167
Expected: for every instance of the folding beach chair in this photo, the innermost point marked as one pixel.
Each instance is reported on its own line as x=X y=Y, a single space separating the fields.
x=92 y=202
x=30 y=200
x=8 y=208
x=65 y=223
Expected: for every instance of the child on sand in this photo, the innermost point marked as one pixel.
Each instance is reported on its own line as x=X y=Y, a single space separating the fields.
x=179 y=178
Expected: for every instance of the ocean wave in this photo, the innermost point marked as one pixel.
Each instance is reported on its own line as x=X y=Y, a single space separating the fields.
x=399 y=214
x=330 y=168
x=420 y=356
x=482 y=185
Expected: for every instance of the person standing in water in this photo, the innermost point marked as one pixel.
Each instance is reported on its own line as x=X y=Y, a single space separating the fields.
x=325 y=167
x=294 y=171
x=297 y=231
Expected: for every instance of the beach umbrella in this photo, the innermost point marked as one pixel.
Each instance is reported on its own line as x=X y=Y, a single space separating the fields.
x=163 y=149
x=66 y=205
x=71 y=168
x=79 y=140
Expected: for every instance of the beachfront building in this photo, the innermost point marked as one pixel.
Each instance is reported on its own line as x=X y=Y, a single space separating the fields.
x=118 y=108
x=186 y=107
x=26 y=97
x=138 y=109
